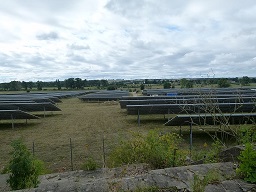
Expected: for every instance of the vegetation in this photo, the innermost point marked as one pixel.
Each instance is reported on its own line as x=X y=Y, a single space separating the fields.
x=184 y=83
x=200 y=182
x=159 y=151
x=247 y=165
x=90 y=164
x=23 y=167
x=223 y=82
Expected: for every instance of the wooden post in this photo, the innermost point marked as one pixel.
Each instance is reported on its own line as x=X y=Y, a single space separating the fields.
x=71 y=154
x=103 y=150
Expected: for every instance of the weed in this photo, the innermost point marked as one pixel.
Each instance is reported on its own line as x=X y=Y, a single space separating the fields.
x=200 y=182
x=90 y=164
x=247 y=166
x=159 y=151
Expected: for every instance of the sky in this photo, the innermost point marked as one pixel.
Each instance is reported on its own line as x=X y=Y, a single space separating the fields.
x=126 y=39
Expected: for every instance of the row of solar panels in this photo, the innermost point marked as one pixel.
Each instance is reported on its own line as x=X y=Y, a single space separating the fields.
x=192 y=105
x=112 y=95
x=196 y=91
x=17 y=106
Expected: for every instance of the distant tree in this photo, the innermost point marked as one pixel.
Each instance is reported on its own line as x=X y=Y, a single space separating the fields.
x=146 y=81
x=167 y=85
x=39 y=85
x=24 y=85
x=104 y=83
x=70 y=83
x=78 y=83
x=15 y=86
x=142 y=87
x=184 y=83
x=30 y=85
x=245 y=81
x=111 y=87
x=6 y=86
x=58 y=84
x=223 y=82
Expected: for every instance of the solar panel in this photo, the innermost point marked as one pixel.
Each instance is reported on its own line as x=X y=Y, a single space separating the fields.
x=212 y=119
x=16 y=114
x=29 y=106
x=190 y=108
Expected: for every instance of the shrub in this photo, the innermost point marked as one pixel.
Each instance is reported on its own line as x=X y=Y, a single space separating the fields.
x=246 y=134
x=90 y=164
x=247 y=166
x=159 y=151
x=23 y=167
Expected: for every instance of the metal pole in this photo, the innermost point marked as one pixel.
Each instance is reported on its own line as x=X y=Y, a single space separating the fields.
x=174 y=157
x=12 y=121
x=138 y=117
x=191 y=138
x=103 y=150
x=71 y=154
x=33 y=149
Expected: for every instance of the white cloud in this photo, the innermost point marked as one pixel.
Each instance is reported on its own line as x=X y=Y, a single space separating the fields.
x=48 y=40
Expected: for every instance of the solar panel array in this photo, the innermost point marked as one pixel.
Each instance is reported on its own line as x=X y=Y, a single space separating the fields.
x=193 y=102
x=19 y=106
x=112 y=95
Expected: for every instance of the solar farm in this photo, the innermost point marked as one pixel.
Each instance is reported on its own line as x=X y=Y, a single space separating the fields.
x=195 y=106
x=48 y=120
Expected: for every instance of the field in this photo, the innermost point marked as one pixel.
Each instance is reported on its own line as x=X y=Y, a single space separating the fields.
x=86 y=124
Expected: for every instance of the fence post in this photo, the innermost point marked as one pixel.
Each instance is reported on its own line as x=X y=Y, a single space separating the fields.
x=71 y=154
x=103 y=150
x=33 y=148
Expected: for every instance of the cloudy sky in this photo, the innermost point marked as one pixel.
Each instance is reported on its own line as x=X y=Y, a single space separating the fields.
x=126 y=39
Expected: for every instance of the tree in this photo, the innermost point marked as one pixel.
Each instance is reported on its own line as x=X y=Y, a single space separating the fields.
x=70 y=83
x=223 y=82
x=167 y=85
x=78 y=83
x=184 y=83
x=245 y=81
x=24 y=168
x=142 y=87
x=58 y=84
x=30 y=84
x=39 y=85
x=24 y=85
x=15 y=86
x=111 y=87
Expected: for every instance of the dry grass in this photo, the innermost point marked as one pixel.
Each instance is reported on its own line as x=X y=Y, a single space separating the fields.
x=84 y=123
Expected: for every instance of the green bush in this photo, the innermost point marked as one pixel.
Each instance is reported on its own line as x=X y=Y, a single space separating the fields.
x=90 y=164
x=247 y=166
x=23 y=167
x=159 y=151
x=246 y=134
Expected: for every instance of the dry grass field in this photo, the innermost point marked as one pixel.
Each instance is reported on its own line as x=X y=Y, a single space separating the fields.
x=84 y=123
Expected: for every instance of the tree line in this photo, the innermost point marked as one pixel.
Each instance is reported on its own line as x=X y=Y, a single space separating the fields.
x=78 y=83
x=70 y=83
